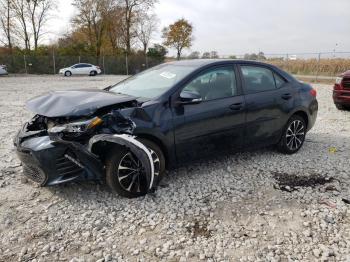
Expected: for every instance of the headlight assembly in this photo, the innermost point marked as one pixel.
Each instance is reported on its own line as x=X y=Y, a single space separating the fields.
x=79 y=127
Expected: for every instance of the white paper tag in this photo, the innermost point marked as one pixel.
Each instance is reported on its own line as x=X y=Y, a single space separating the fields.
x=168 y=75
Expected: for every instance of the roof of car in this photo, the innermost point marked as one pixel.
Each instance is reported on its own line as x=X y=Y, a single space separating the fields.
x=204 y=62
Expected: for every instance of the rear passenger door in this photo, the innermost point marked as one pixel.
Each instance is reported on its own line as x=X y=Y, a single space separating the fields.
x=269 y=99
x=87 y=68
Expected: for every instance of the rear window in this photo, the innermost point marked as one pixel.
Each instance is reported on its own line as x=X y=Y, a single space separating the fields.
x=279 y=80
x=258 y=79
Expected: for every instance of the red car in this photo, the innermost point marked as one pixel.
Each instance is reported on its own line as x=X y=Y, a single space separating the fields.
x=341 y=91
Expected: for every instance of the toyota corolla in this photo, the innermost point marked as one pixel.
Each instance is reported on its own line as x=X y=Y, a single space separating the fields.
x=130 y=133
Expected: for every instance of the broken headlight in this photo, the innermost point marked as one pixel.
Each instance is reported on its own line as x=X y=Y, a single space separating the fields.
x=78 y=128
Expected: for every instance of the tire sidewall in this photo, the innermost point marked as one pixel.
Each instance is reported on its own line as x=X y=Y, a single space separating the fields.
x=67 y=73
x=112 y=163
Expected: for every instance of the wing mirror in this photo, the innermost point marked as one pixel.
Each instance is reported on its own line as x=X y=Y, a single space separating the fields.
x=189 y=98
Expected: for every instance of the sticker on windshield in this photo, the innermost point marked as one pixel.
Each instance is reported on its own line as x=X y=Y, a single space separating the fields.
x=168 y=75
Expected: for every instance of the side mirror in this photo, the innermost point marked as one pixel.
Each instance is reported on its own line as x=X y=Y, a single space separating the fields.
x=189 y=98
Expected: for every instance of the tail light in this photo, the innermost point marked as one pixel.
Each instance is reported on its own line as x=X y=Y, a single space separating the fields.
x=98 y=67
x=313 y=92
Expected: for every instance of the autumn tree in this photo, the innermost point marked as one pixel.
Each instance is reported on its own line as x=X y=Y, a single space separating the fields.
x=114 y=29
x=178 y=36
x=92 y=21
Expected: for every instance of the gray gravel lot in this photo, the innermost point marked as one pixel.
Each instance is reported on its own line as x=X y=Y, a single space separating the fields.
x=252 y=206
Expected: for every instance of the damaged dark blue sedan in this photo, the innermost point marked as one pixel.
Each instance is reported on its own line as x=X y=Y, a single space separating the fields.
x=130 y=133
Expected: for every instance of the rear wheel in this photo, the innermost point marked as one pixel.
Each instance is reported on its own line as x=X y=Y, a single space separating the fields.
x=293 y=136
x=124 y=172
x=93 y=73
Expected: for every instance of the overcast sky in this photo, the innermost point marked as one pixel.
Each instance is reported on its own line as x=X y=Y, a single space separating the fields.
x=246 y=26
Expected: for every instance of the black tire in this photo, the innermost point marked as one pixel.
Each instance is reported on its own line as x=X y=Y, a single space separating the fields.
x=113 y=173
x=340 y=106
x=293 y=135
x=67 y=73
x=93 y=73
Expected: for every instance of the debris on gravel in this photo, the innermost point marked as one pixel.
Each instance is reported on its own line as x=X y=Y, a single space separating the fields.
x=229 y=208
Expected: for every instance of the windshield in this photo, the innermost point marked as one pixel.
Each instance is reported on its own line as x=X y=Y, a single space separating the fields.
x=153 y=82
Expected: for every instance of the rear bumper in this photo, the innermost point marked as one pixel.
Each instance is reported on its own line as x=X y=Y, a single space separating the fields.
x=49 y=162
x=341 y=97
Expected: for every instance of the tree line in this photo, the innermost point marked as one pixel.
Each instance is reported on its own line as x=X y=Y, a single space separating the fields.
x=103 y=27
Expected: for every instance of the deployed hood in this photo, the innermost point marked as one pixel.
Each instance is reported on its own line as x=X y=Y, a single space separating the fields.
x=75 y=102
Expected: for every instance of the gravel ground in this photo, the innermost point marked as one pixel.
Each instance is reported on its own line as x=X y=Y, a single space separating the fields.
x=252 y=206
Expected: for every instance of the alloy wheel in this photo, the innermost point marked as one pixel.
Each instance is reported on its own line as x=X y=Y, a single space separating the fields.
x=295 y=135
x=131 y=173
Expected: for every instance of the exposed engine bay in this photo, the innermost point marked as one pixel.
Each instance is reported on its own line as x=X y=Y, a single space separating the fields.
x=66 y=141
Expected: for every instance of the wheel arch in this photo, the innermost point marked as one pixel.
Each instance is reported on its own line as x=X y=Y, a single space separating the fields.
x=302 y=114
x=159 y=143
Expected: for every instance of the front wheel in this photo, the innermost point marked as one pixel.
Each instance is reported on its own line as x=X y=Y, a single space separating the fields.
x=293 y=136
x=124 y=172
x=67 y=73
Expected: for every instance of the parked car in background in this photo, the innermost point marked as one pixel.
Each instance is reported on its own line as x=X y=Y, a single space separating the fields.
x=163 y=117
x=3 y=70
x=341 y=91
x=81 y=69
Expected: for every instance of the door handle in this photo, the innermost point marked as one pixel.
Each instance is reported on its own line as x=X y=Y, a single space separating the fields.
x=286 y=96
x=236 y=107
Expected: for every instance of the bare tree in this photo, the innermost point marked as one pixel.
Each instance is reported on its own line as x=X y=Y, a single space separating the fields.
x=6 y=22
x=38 y=12
x=30 y=17
x=147 y=25
x=21 y=28
x=131 y=9
x=114 y=28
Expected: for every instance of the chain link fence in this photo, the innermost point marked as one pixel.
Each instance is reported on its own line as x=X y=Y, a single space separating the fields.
x=327 y=64
x=51 y=64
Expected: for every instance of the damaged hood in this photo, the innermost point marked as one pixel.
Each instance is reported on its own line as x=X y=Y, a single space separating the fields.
x=75 y=103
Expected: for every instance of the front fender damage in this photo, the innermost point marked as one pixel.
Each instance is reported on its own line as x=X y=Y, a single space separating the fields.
x=136 y=147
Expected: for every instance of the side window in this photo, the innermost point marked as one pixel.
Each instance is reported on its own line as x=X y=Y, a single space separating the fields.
x=214 y=84
x=257 y=79
x=279 y=80
x=78 y=66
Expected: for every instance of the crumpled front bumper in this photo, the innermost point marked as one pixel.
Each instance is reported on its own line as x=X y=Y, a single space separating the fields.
x=48 y=162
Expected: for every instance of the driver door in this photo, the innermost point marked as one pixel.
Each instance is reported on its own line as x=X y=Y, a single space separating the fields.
x=217 y=123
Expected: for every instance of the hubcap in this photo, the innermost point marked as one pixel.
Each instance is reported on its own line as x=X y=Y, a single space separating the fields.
x=295 y=135
x=131 y=173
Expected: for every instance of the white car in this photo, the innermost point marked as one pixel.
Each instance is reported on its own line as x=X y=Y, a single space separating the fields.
x=81 y=69
x=3 y=70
